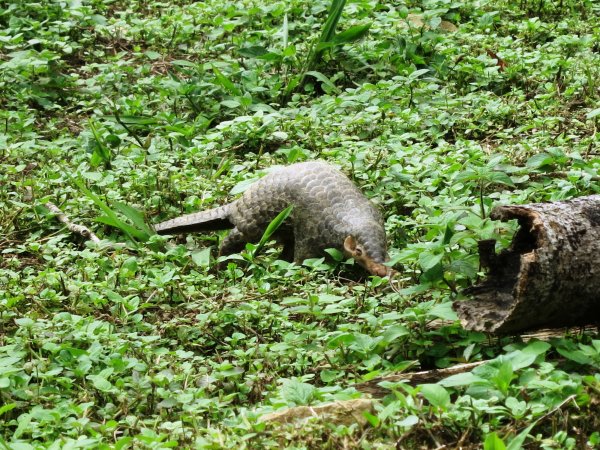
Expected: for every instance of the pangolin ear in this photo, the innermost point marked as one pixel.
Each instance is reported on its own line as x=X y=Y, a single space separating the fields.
x=350 y=244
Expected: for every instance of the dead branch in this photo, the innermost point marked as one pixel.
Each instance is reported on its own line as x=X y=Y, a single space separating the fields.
x=73 y=227
x=427 y=376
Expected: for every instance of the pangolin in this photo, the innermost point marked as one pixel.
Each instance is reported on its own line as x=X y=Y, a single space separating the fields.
x=328 y=212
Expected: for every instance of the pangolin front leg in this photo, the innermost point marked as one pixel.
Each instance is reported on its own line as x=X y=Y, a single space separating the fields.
x=234 y=242
x=287 y=239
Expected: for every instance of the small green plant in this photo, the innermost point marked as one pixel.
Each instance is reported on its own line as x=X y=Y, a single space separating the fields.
x=273 y=226
x=136 y=231
x=328 y=40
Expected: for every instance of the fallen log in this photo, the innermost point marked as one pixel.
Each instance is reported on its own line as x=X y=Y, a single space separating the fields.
x=548 y=277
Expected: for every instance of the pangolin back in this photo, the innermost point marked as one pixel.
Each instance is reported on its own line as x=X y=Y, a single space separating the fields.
x=328 y=208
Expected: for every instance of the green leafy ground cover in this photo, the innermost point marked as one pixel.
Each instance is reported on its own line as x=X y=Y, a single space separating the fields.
x=175 y=106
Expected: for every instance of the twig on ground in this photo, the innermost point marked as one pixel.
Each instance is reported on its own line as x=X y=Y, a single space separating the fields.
x=428 y=376
x=73 y=227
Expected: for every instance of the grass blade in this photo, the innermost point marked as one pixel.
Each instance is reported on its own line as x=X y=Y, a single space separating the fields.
x=351 y=34
x=335 y=12
x=136 y=217
x=226 y=82
x=272 y=228
x=285 y=31
x=111 y=217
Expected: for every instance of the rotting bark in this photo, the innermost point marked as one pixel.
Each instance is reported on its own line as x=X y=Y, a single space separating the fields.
x=548 y=277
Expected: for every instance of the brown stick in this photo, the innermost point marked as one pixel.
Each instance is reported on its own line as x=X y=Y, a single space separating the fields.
x=428 y=376
x=548 y=277
x=73 y=227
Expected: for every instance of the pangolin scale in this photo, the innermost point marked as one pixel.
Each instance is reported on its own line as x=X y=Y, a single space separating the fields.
x=329 y=212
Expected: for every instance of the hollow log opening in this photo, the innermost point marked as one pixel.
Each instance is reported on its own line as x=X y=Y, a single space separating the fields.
x=549 y=276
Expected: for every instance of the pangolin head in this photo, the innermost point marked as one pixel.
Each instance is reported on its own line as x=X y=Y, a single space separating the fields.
x=368 y=246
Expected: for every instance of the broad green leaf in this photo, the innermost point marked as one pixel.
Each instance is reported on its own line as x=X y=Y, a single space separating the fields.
x=270 y=57
x=351 y=34
x=434 y=22
x=293 y=83
x=461 y=379
x=7 y=407
x=467 y=175
x=394 y=332
x=100 y=153
x=24 y=322
x=341 y=339
x=500 y=178
x=322 y=46
x=493 y=442
x=184 y=63
x=463 y=267
x=593 y=113
x=273 y=227
x=136 y=217
x=517 y=408
x=122 y=443
x=504 y=376
x=323 y=79
x=428 y=260
x=92 y=176
x=108 y=221
x=135 y=120
x=297 y=393
x=575 y=355
x=24 y=421
x=130 y=265
x=443 y=311
x=337 y=255
x=226 y=82
x=363 y=343
x=124 y=227
x=329 y=375
x=105 y=208
x=329 y=298
x=448 y=233
x=113 y=296
x=100 y=383
x=525 y=357
x=517 y=442
x=290 y=50
x=252 y=51
x=373 y=420
x=202 y=257
x=243 y=185
x=232 y=104
x=540 y=160
x=417 y=73
x=436 y=395
x=335 y=12
x=408 y=421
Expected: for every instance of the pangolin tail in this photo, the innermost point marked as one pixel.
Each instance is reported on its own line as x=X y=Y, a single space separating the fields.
x=209 y=220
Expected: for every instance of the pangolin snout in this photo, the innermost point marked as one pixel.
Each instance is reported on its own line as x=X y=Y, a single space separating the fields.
x=379 y=269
